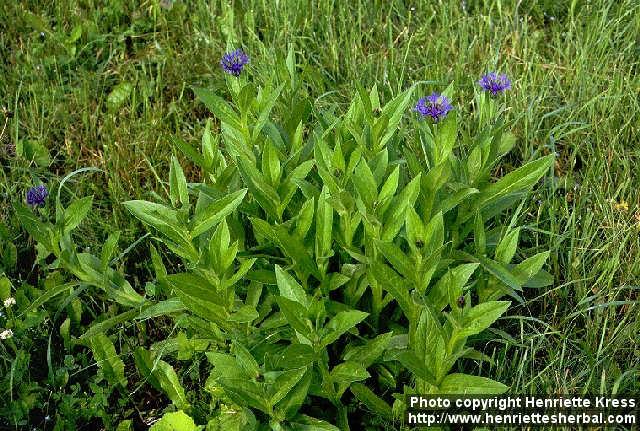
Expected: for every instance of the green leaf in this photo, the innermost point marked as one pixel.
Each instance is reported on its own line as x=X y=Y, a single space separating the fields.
x=294 y=248
x=368 y=353
x=244 y=314
x=162 y=308
x=189 y=151
x=166 y=221
x=109 y=323
x=118 y=96
x=410 y=361
x=261 y=191
x=291 y=403
x=104 y=352
x=246 y=393
x=284 y=383
x=507 y=247
x=109 y=248
x=294 y=315
x=501 y=272
x=162 y=376
x=5 y=287
x=478 y=318
x=449 y=288
x=290 y=289
x=75 y=213
x=392 y=114
x=521 y=179
x=177 y=184
x=263 y=117
x=176 y=421
x=365 y=184
x=219 y=107
x=271 y=164
x=307 y=423
x=479 y=236
x=445 y=137
x=349 y=372
x=394 y=218
x=245 y=359
x=396 y=286
x=215 y=212
x=463 y=384
x=200 y=297
x=341 y=323
x=374 y=403
x=400 y=261
x=324 y=226
x=41 y=232
x=126 y=425
x=531 y=266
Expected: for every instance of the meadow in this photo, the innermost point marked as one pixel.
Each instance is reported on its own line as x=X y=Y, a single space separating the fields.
x=126 y=102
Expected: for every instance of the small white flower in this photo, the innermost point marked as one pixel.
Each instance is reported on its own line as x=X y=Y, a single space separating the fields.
x=9 y=302
x=6 y=334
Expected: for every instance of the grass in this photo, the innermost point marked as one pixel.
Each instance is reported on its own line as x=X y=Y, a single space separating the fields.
x=576 y=84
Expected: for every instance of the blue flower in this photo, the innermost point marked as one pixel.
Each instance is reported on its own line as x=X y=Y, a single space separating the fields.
x=495 y=83
x=233 y=62
x=37 y=195
x=435 y=106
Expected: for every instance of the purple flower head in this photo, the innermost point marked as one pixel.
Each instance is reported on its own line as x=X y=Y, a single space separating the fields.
x=435 y=106
x=495 y=83
x=37 y=195
x=233 y=62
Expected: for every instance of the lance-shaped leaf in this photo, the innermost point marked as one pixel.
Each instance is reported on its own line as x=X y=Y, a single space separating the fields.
x=294 y=248
x=392 y=114
x=290 y=289
x=341 y=323
x=104 y=352
x=41 y=232
x=200 y=297
x=283 y=384
x=521 y=179
x=368 y=353
x=374 y=403
x=215 y=212
x=219 y=107
x=166 y=221
x=449 y=288
x=410 y=361
x=478 y=318
x=75 y=213
x=295 y=316
x=400 y=261
x=175 y=421
x=394 y=217
x=365 y=184
x=396 y=286
x=261 y=191
x=324 y=226
x=177 y=184
x=464 y=384
x=507 y=247
x=162 y=376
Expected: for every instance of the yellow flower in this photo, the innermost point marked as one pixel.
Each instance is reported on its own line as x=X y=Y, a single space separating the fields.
x=622 y=206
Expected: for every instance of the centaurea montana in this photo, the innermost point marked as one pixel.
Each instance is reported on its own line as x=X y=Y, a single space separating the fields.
x=37 y=195
x=435 y=106
x=495 y=83
x=233 y=62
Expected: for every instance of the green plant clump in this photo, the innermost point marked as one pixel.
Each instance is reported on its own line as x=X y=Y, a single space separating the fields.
x=323 y=261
